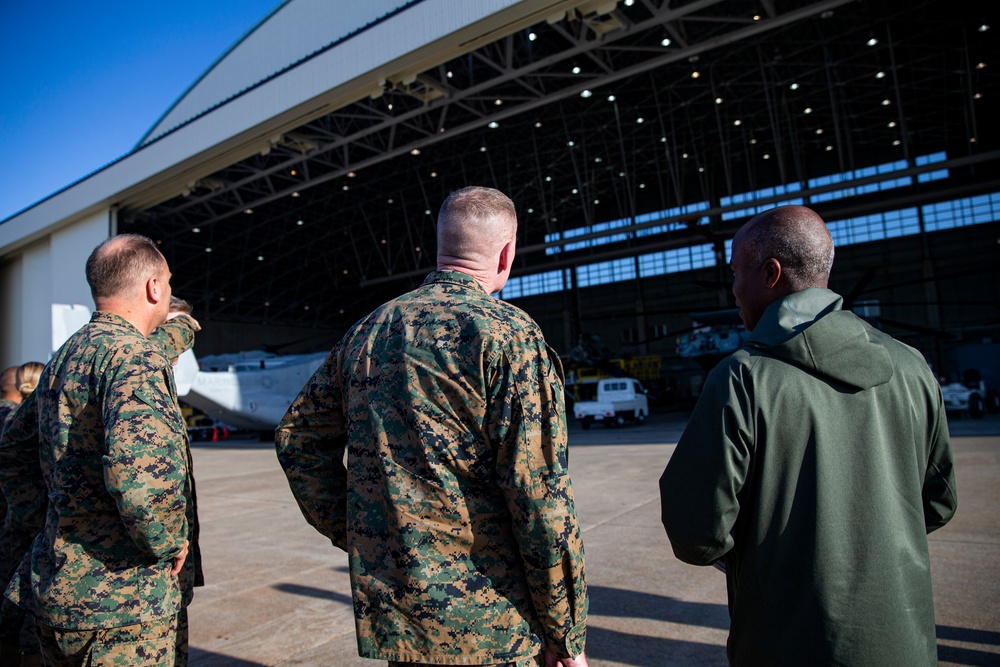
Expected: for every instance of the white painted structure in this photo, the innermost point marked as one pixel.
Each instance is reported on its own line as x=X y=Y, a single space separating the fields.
x=306 y=58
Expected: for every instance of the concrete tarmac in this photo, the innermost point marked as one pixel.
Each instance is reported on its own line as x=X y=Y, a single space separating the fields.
x=278 y=592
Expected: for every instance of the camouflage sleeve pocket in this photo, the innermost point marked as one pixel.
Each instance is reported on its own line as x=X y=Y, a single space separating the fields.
x=151 y=392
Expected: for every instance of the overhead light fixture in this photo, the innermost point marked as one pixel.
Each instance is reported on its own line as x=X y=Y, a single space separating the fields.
x=532 y=36
x=880 y=75
x=493 y=125
x=767 y=156
x=896 y=142
x=737 y=122
x=984 y=27
x=260 y=258
x=829 y=147
x=598 y=159
x=345 y=188
x=756 y=17
x=701 y=170
x=695 y=74
x=196 y=230
x=482 y=149
x=872 y=41
x=753 y=141
x=807 y=110
x=892 y=123
x=306 y=307
x=538 y=124
x=548 y=179
x=597 y=201
x=434 y=174
x=640 y=120
x=415 y=151
x=450 y=74
x=575 y=70
x=222 y=298
x=570 y=143
x=295 y=194
x=977 y=96
x=886 y=102
x=819 y=130
x=981 y=65
x=585 y=94
x=575 y=191
x=248 y=211
x=531 y=210
x=794 y=86
x=684 y=155
x=642 y=186
x=663 y=140
x=629 y=3
x=293 y=172
x=611 y=98
x=665 y=41
x=718 y=100
x=498 y=102
x=351 y=174
x=300 y=223
x=208 y=250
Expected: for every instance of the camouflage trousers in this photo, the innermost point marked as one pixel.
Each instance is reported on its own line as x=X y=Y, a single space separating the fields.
x=524 y=662
x=151 y=644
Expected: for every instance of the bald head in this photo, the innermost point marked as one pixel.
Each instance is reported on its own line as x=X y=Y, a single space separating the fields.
x=795 y=236
x=120 y=267
x=474 y=224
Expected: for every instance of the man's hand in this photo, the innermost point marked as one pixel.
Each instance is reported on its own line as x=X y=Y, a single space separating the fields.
x=177 y=313
x=181 y=557
x=552 y=660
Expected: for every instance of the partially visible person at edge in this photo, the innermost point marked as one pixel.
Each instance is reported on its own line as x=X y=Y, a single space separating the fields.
x=18 y=643
x=101 y=578
x=10 y=397
x=815 y=463
x=175 y=337
x=455 y=505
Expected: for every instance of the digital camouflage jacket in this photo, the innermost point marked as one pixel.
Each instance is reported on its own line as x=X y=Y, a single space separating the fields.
x=175 y=337
x=455 y=505
x=103 y=424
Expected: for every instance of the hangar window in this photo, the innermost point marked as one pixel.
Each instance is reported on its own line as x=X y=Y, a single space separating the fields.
x=677 y=260
x=875 y=227
x=962 y=212
x=608 y=228
x=764 y=193
x=602 y=273
x=931 y=159
x=535 y=283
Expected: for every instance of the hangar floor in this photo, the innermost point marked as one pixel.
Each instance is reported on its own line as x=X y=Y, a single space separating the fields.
x=278 y=593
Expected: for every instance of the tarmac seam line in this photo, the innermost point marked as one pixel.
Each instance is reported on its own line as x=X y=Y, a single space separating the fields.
x=618 y=516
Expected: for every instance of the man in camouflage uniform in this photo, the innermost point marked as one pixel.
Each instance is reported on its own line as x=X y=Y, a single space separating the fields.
x=175 y=337
x=101 y=578
x=455 y=504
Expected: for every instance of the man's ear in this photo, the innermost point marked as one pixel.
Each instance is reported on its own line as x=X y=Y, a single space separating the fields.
x=772 y=272
x=506 y=257
x=154 y=290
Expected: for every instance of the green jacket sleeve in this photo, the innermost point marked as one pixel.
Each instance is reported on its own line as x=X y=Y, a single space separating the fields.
x=532 y=457
x=310 y=443
x=700 y=487
x=145 y=467
x=940 y=497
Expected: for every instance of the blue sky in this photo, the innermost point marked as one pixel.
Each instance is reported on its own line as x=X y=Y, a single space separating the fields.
x=81 y=82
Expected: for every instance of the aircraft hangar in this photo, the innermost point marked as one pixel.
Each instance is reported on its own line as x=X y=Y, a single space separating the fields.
x=295 y=185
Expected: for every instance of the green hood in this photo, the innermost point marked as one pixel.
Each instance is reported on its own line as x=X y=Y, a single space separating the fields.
x=809 y=329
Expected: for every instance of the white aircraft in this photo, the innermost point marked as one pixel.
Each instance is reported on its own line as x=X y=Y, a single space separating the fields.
x=248 y=390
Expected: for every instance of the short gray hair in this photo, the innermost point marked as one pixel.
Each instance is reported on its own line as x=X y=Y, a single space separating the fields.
x=121 y=263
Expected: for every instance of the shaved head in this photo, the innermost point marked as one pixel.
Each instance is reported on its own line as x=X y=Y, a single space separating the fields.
x=795 y=236
x=475 y=223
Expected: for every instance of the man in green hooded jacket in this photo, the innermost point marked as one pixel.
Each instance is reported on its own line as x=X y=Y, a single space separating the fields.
x=815 y=463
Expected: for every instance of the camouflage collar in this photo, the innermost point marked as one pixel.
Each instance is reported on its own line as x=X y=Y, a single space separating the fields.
x=456 y=277
x=111 y=318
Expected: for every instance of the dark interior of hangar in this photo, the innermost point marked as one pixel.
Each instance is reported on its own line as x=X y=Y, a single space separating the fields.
x=699 y=112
